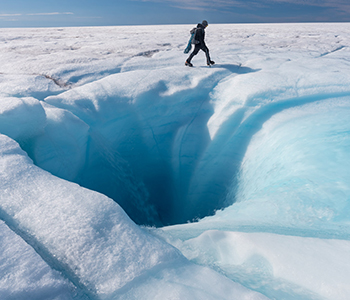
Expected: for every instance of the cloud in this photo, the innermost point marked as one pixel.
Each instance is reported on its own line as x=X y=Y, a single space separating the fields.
x=10 y=15
x=203 y=4
x=221 y=5
x=341 y=6
x=50 y=14
x=36 y=14
x=319 y=3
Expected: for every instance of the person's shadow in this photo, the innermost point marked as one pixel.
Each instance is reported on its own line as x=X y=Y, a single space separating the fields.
x=238 y=69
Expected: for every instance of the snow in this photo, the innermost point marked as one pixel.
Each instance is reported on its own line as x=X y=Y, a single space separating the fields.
x=24 y=273
x=263 y=261
x=126 y=175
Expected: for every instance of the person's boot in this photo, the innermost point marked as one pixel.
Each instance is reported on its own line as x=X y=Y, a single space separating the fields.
x=188 y=64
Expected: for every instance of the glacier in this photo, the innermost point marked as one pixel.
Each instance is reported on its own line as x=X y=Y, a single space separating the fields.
x=126 y=175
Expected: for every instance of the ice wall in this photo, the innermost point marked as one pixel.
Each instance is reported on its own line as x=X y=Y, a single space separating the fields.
x=62 y=241
x=145 y=142
x=290 y=217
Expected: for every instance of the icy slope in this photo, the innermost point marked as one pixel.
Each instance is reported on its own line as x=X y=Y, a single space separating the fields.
x=24 y=274
x=159 y=128
x=90 y=241
x=294 y=183
x=256 y=147
x=279 y=266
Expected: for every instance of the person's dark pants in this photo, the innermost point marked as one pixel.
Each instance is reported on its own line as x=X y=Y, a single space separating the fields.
x=196 y=50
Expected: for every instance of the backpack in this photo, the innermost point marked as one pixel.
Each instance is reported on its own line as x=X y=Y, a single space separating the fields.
x=193 y=36
x=192 y=40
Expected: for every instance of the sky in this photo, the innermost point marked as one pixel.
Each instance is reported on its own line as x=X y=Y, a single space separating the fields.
x=62 y=13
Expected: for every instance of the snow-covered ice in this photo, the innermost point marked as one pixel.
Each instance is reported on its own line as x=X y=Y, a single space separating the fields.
x=126 y=175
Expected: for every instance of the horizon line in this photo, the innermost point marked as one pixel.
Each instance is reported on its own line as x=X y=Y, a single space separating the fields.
x=176 y=24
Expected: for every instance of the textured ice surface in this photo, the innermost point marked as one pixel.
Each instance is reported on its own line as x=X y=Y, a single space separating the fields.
x=24 y=275
x=89 y=240
x=280 y=266
x=256 y=149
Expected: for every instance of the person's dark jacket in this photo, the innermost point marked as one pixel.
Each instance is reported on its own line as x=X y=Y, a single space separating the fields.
x=200 y=34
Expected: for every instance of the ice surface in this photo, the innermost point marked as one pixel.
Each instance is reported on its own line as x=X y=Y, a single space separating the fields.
x=24 y=275
x=21 y=118
x=280 y=266
x=89 y=239
x=256 y=149
x=79 y=231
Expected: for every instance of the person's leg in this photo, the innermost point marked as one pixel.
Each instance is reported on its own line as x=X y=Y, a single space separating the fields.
x=206 y=50
x=195 y=51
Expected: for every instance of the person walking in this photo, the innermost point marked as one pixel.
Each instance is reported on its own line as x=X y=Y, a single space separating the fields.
x=199 y=43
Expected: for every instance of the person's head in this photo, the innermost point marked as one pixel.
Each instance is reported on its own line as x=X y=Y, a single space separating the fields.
x=205 y=23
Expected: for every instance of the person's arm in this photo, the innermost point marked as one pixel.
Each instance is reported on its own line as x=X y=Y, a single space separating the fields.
x=201 y=36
